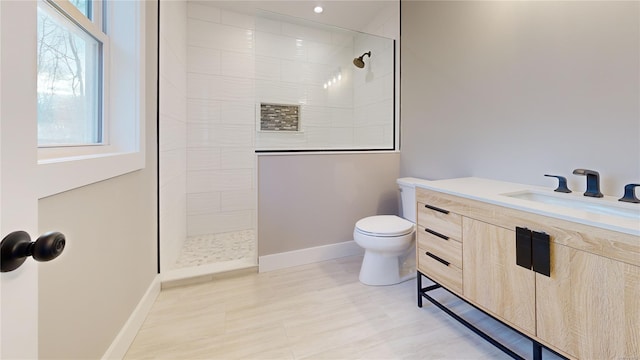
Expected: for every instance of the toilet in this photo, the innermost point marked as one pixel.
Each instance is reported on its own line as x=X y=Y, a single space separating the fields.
x=388 y=241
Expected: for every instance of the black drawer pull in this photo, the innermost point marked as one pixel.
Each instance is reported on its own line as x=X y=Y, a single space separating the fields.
x=436 y=209
x=445 y=262
x=437 y=234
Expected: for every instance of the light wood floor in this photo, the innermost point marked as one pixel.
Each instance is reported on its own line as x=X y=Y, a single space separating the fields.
x=317 y=311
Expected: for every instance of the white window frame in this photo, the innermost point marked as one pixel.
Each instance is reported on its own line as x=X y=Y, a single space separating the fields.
x=123 y=110
x=93 y=27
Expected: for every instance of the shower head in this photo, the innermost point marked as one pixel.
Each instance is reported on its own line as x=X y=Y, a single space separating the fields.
x=359 y=61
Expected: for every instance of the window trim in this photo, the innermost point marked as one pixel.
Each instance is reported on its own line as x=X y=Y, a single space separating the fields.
x=65 y=168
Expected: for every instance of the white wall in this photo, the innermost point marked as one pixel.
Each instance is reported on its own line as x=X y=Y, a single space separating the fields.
x=221 y=195
x=173 y=130
x=513 y=90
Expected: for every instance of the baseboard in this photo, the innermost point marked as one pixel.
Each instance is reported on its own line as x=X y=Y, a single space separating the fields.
x=125 y=337
x=308 y=256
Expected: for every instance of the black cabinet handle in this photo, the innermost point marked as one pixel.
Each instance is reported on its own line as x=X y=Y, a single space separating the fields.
x=445 y=262
x=541 y=253
x=436 y=209
x=445 y=237
x=523 y=247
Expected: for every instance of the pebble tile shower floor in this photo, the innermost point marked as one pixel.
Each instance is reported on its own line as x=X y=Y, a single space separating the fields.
x=215 y=248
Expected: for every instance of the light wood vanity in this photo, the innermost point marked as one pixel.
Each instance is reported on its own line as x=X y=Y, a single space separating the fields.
x=587 y=308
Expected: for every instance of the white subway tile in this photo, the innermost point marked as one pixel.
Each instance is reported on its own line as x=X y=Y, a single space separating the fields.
x=341 y=117
x=219 y=223
x=203 y=135
x=267 y=68
x=172 y=101
x=237 y=19
x=318 y=137
x=279 y=46
x=268 y=91
x=203 y=159
x=341 y=137
x=238 y=113
x=217 y=36
x=203 y=60
x=268 y=25
x=173 y=134
x=219 y=180
x=203 y=111
x=237 y=64
x=315 y=116
x=238 y=200
x=237 y=157
x=306 y=33
x=220 y=88
x=172 y=68
x=174 y=165
x=203 y=12
x=203 y=203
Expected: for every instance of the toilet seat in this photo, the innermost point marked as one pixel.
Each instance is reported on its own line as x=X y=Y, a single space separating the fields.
x=384 y=226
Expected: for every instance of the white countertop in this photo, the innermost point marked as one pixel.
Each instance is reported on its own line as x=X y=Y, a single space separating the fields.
x=495 y=192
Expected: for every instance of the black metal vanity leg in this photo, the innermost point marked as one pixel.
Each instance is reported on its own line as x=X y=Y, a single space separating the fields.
x=419 y=282
x=537 y=351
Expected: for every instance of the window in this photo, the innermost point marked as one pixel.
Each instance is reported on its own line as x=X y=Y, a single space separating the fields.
x=91 y=90
x=71 y=47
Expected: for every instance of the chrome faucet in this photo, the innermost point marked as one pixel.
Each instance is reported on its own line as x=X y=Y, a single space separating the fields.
x=593 y=182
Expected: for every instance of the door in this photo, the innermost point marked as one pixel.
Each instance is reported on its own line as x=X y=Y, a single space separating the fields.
x=491 y=277
x=18 y=160
x=589 y=306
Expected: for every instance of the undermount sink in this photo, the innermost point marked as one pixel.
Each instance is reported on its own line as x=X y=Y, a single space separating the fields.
x=579 y=202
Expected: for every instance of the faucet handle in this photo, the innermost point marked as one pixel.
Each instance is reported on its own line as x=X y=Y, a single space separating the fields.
x=629 y=194
x=562 y=183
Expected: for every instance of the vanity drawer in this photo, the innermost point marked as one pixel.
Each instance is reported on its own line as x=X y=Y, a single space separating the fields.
x=440 y=220
x=449 y=250
x=449 y=275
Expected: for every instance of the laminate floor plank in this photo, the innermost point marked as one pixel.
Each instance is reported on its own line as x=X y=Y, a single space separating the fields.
x=315 y=311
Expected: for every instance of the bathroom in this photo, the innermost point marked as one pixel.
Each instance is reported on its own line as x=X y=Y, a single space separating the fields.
x=500 y=90
x=220 y=150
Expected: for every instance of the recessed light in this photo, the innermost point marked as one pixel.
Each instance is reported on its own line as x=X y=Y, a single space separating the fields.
x=318 y=9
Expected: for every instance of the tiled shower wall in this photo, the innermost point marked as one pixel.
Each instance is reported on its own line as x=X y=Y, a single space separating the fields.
x=216 y=67
x=221 y=190
x=173 y=130
x=293 y=62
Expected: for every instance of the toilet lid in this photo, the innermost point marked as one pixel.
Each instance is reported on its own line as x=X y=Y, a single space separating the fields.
x=384 y=225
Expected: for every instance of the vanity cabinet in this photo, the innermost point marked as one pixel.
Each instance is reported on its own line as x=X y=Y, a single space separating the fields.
x=587 y=308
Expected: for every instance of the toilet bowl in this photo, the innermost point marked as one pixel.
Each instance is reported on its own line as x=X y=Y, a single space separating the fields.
x=388 y=241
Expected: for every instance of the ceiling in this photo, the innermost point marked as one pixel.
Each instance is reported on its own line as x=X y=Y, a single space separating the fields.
x=347 y=14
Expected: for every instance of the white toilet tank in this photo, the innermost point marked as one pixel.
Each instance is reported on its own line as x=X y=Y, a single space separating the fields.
x=407 y=199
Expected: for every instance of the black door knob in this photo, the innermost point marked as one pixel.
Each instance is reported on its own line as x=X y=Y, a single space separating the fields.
x=17 y=246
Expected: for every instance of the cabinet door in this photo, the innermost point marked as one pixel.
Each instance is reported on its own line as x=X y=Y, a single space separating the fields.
x=590 y=305
x=491 y=278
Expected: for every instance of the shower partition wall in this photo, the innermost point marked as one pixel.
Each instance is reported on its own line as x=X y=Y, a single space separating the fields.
x=216 y=68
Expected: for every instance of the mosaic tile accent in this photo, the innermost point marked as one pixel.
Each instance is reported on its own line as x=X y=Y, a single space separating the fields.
x=276 y=117
x=214 y=248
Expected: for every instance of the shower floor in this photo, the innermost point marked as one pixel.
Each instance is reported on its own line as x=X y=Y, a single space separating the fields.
x=216 y=248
